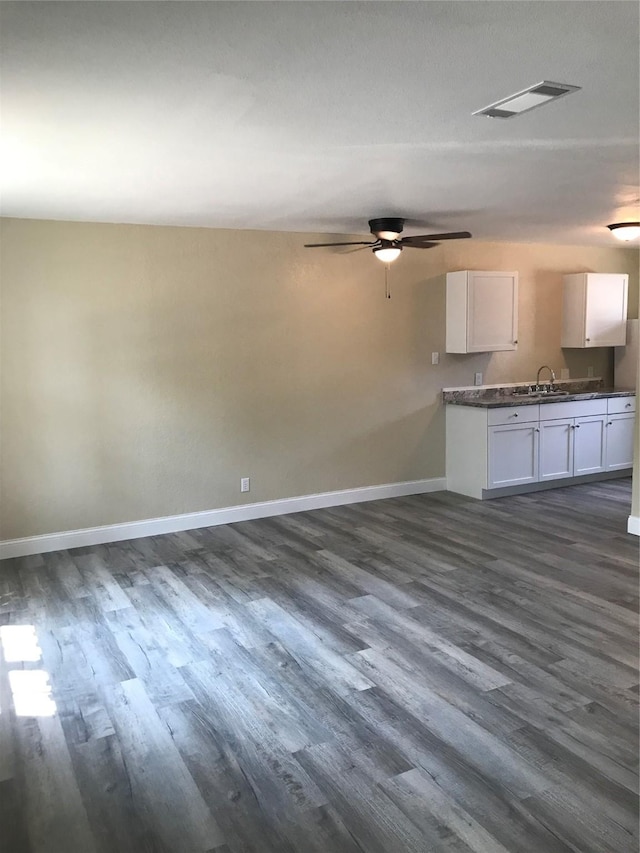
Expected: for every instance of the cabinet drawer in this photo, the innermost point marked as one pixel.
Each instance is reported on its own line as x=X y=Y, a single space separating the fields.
x=513 y=415
x=573 y=409
x=621 y=405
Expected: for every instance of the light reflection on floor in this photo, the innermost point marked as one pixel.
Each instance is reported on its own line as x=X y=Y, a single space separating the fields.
x=30 y=688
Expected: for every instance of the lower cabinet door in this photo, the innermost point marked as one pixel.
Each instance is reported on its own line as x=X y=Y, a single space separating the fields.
x=589 y=445
x=619 y=435
x=513 y=455
x=556 y=449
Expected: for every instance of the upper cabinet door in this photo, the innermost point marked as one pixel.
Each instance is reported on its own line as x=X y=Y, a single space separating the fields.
x=482 y=311
x=594 y=310
x=606 y=314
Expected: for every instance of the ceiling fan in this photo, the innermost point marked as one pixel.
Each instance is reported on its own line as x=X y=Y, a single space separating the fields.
x=388 y=243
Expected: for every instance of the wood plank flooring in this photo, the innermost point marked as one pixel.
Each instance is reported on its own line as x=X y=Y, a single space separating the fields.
x=428 y=674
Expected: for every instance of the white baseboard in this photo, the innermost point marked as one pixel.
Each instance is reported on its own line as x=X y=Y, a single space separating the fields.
x=633 y=525
x=10 y=548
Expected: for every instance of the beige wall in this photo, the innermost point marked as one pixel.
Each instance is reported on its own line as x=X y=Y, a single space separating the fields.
x=146 y=369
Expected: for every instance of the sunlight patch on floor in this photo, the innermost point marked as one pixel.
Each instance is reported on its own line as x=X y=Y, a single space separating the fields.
x=30 y=688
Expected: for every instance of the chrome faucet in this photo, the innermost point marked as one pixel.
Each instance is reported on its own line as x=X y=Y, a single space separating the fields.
x=553 y=378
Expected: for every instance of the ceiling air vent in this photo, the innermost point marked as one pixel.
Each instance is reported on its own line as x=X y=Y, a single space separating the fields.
x=528 y=99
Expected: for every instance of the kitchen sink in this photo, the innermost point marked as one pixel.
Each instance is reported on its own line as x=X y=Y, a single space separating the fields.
x=529 y=395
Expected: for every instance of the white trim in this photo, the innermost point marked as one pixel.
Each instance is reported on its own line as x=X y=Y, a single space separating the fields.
x=210 y=518
x=633 y=525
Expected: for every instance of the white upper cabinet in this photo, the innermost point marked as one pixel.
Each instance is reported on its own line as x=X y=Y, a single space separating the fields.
x=594 y=310
x=482 y=311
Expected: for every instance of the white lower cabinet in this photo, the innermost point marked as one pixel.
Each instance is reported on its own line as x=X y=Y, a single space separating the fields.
x=571 y=447
x=619 y=443
x=513 y=455
x=556 y=449
x=514 y=446
x=589 y=445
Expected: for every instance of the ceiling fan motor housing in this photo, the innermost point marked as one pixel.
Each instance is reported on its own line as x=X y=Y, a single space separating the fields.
x=387 y=228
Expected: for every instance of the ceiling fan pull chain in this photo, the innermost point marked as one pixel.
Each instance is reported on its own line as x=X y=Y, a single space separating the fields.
x=387 y=292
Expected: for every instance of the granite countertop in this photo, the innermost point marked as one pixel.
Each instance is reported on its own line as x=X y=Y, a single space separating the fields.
x=492 y=398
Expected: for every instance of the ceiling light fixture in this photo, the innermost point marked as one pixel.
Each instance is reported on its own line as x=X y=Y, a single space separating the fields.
x=388 y=253
x=625 y=230
x=527 y=99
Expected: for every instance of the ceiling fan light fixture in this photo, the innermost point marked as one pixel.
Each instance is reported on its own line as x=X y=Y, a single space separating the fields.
x=625 y=230
x=386 y=254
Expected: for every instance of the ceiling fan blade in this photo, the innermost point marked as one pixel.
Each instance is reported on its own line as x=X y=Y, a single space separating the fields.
x=452 y=235
x=323 y=245
x=361 y=248
x=424 y=245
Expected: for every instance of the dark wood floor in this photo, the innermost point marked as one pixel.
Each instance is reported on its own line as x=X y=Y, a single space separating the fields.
x=422 y=674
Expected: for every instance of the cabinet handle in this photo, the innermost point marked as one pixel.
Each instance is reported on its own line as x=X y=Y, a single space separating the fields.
x=609 y=423
x=587 y=339
x=515 y=415
x=577 y=426
x=627 y=405
x=537 y=429
x=515 y=342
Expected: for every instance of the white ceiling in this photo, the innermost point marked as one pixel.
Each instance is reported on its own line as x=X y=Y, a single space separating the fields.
x=316 y=116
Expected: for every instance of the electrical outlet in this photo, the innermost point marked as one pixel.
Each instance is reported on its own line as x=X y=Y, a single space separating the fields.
x=590 y=370
x=245 y=484
x=435 y=358
x=477 y=379
x=564 y=373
